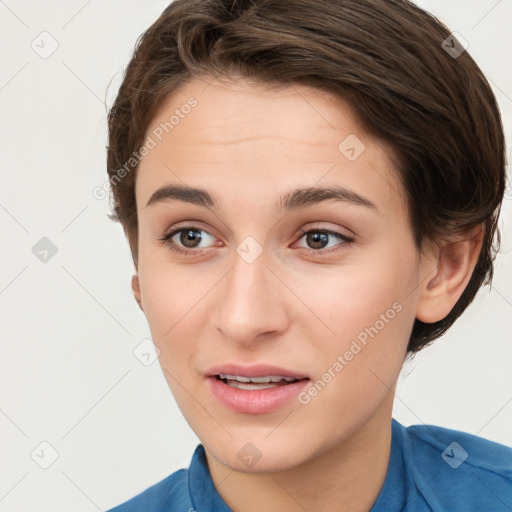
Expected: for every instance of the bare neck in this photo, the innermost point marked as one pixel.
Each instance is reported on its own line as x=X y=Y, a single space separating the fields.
x=347 y=478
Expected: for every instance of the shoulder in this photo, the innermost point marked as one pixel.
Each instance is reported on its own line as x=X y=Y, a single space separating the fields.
x=469 y=449
x=457 y=470
x=171 y=492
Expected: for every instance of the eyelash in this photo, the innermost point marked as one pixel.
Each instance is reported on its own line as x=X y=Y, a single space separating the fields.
x=166 y=240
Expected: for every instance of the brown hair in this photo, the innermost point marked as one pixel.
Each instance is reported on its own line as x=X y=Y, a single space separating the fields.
x=385 y=57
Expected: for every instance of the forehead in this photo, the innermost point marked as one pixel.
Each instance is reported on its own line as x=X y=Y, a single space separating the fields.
x=263 y=137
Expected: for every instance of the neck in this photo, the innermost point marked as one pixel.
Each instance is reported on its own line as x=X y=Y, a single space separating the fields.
x=348 y=477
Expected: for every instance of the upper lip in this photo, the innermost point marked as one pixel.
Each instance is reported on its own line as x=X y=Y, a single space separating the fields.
x=256 y=370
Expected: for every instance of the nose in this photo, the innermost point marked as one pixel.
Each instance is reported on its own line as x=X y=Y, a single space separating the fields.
x=252 y=302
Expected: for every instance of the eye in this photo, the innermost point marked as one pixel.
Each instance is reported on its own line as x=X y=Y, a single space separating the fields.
x=318 y=239
x=187 y=237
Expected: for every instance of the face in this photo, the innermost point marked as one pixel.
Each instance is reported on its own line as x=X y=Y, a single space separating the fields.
x=253 y=279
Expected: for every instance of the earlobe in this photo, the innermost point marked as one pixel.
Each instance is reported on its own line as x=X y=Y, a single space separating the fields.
x=136 y=290
x=454 y=264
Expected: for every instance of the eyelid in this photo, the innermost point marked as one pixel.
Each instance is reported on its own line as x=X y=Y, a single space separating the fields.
x=187 y=224
x=317 y=226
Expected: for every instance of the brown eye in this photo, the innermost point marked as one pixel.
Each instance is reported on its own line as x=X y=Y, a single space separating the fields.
x=319 y=239
x=188 y=237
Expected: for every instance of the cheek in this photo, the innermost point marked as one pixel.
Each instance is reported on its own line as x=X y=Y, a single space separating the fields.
x=170 y=293
x=353 y=297
x=370 y=312
x=176 y=303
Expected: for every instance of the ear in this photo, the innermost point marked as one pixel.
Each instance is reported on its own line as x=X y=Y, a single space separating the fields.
x=136 y=290
x=453 y=263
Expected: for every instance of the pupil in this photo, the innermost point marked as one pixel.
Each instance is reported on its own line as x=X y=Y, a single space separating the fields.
x=190 y=236
x=317 y=238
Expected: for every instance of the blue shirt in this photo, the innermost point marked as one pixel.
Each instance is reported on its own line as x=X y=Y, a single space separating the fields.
x=430 y=469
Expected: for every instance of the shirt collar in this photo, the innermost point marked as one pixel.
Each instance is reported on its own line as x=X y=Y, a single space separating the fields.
x=393 y=495
x=203 y=494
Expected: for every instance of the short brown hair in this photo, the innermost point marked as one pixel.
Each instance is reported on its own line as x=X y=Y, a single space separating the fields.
x=384 y=57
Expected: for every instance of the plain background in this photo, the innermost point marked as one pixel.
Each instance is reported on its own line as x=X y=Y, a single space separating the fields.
x=69 y=326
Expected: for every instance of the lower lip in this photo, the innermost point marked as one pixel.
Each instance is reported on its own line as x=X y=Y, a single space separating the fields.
x=255 y=401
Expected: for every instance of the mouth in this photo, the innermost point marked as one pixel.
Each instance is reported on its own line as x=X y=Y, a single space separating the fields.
x=253 y=383
x=254 y=389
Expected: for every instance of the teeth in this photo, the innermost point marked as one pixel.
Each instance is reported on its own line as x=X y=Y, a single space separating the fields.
x=251 y=386
x=261 y=379
x=240 y=378
x=257 y=380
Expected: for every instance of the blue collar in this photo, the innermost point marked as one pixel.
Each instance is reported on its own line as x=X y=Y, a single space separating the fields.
x=202 y=491
x=392 y=496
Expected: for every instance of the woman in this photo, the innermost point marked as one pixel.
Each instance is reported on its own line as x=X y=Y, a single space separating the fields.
x=310 y=190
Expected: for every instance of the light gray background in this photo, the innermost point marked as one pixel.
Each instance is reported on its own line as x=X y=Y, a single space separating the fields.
x=68 y=329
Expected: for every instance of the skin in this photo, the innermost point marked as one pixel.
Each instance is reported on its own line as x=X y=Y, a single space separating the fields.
x=298 y=305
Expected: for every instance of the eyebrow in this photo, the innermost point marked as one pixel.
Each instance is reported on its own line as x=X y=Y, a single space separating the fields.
x=296 y=199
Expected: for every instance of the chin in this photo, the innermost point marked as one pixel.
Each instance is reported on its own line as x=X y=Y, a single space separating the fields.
x=259 y=455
